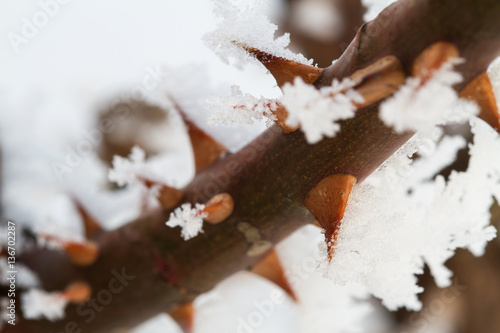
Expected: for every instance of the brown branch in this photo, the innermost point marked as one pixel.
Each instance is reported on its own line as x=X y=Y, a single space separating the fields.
x=145 y=268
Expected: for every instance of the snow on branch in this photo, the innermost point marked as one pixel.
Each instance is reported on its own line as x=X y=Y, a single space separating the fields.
x=420 y=105
x=189 y=219
x=239 y=108
x=38 y=303
x=318 y=111
x=397 y=220
x=245 y=23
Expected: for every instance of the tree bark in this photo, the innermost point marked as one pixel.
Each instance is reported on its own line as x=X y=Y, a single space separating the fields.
x=268 y=179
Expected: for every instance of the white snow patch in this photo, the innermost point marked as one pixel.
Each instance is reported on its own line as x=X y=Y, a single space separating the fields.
x=125 y=170
x=419 y=106
x=38 y=303
x=323 y=307
x=395 y=222
x=246 y=23
x=189 y=219
x=239 y=108
x=318 y=111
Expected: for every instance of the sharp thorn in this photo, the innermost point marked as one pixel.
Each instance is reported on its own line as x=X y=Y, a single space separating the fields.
x=271 y=269
x=168 y=197
x=206 y=149
x=378 y=80
x=77 y=292
x=82 y=254
x=480 y=91
x=374 y=82
x=327 y=201
x=219 y=208
x=91 y=225
x=184 y=317
x=281 y=115
x=282 y=69
x=432 y=58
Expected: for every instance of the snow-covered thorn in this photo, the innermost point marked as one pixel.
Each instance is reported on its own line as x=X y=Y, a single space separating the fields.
x=37 y=303
x=271 y=269
x=281 y=115
x=184 y=316
x=206 y=149
x=167 y=196
x=480 y=91
x=218 y=208
x=77 y=292
x=432 y=58
x=90 y=223
x=378 y=80
x=282 y=69
x=327 y=201
x=83 y=253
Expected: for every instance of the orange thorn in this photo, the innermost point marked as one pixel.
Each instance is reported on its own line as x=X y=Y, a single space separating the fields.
x=432 y=58
x=168 y=197
x=374 y=82
x=282 y=69
x=80 y=253
x=480 y=91
x=92 y=227
x=281 y=115
x=184 y=316
x=77 y=292
x=378 y=80
x=327 y=201
x=271 y=269
x=206 y=149
x=219 y=208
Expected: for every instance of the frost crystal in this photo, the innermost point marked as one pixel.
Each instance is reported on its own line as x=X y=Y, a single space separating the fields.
x=239 y=108
x=125 y=170
x=317 y=111
x=419 y=106
x=245 y=23
x=189 y=219
x=38 y=303
x=397 y=220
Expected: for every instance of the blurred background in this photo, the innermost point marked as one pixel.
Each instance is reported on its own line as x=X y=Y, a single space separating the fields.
x=67 y=65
